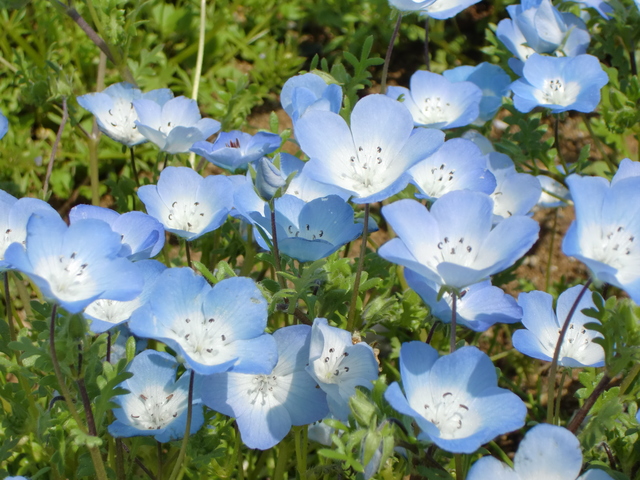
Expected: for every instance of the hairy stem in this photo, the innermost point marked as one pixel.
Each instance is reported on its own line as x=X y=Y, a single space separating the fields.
x=547 y=280
x=187 y=431
x=581 y=414
x=387 y=58
x=351 y=323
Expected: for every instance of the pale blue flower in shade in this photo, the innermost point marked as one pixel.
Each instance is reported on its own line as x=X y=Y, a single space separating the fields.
x=106 y=314
x=478 y=307
x=600 y=6
x=542 y=329
x=536 y=26
x=491 y=79
x=554 y=194
x=321 y=432
x=455 y=399
x=234 y=150
x=4 y=125
x=186 y=203
x=75 y=265
x=560 y=84
x=142 y=235
x=174 y=126
x=306 y=231
x=269 y=179
x=605 y=234
x=157 y=403
x=627 y=168
x=302 y=186
x=114 y=111
x=308 y=92
x=215 y=329
x=14 y=215
x=370 y=158
x=266 y=406
x=339 y=366
x=437 y=102
x=515 y=193
x=438 y=9
x=454 y=244
x=545 y=452
x=457 y=165
x=482 y=142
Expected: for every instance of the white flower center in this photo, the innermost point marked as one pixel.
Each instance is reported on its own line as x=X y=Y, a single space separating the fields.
x=447 y=414
x=440 y=181
x=366 y=166
x=332 y=365
x=112 y=311
x=67 y=276
x=458 y=251
x=121 y=119
x=202 y=338
x=436 y=110
x=262 y=387
x=614 y=247
x=155 y=408
x=576 y=340
x=187 y=216
x=557 y=92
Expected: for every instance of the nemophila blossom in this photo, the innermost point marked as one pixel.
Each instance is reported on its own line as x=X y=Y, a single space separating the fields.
x=266 y=406
x=157 y=403
x=478 y=307
x=600 y=6
x=301 y=185
x=454 y=244
x=186 y=203
x=482 y=142
x=215 y=329
x=269 y=179
x=515 y=193
x=142 y=235
x=234 y=150
x=554 y=194
x=547 y=451
x=339 y=366
x=369 y=158
x=115 y=113
x=560 y=84
x=14 y=215
x=4 y=125
x=536 y=26
x=605 y=234
x=454 y=399
x=174 y=126
x=306 y=231
x=106 y=314
x=542 y=329
x=307 y=92
x=457 y=165
x=438 y=9
x=75 y=265
x=438 y=102
x=491 y=79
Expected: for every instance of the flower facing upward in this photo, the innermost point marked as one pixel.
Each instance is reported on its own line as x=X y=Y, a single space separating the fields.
x=156 y=403
x=439 y=9
x=114 y=111
x=454 y=399
x=369 y=158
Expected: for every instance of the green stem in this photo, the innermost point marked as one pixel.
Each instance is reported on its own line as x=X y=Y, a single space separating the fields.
x=7 y=303
x=556 y=135
x=387 y=58
x=187 y=250
x=274 y=241
x=187 y=432
x=503 y=456
x=459 y=466
x=351 y=323
x=134 y=170
x=159 y=474
x=626 y=383
x=547 y=281
x=282 y=460
x=452 y=337
x=301 y=450
x=579 y=417
x=556 y=414
x=551 y=385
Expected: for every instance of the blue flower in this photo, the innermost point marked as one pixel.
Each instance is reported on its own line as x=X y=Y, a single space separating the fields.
x=457 y=165
x=175 y=126
x=265 y=406
x=14 y=215
x=235 y=150
x=516 y=193
x=454 y=399
x=542 y=329
x=478 y=307
x=4 y=125
x=304 y=187
x=492 y=80
x=368 y=159
x=142 y=235
x=186 y=203
x=437 y=102
x=215 y=329
x=75 y=265
x=438 y=9
x=606 y=234
x=309 y=92
x=307 y=231
x=554 y=194
x=339 y=366
x=560 y=84
x=537 y=26
x=156 y=403
x=601 y=6
x=106 y=314
x=454 y=243
x=269 y=179
x=546 y=451
x=114 y=111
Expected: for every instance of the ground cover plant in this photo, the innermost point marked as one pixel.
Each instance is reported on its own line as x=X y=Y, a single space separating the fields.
x=336 y=239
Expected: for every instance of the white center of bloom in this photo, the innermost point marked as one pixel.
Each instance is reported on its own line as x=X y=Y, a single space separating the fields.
x=121 y=119
x=10 y=236
x=112 y=311
x=332 y=365
x=262 y=387
x=613 y=247
x=188 y=216
x=447 y=413
x=68 y=277
x=557 y=92
x=305 y=232
x=155 y=408
x=367 y=166
x=440 y=181
x=576 y=340
x=436 y=110
x=201 y=338
x=456 y=251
